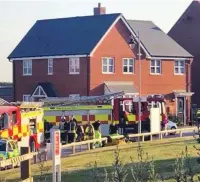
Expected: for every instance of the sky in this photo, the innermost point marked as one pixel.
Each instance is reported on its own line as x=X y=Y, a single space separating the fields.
x=17 y=17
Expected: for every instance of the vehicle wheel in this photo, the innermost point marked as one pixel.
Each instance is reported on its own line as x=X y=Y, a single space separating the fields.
x=173 y=128
x=33 y=148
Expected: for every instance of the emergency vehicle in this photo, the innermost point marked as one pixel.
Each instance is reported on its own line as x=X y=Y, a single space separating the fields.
x=22 y=122
x=106 y=108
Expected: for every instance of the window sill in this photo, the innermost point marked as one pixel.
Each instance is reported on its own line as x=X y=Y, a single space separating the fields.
x=74 y=73
x=124 y=73
x=155 y=74
x=105 y=73
x=27 y=75
x=179 y=74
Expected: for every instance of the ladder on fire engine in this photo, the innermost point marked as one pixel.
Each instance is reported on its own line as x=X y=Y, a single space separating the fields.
x=66 y=101
x=28 y=106
x=4 y=102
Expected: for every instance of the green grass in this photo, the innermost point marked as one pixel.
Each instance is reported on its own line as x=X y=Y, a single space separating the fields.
x=76 y=168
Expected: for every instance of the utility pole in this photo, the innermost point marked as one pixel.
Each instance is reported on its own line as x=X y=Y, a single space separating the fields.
x=139 y=78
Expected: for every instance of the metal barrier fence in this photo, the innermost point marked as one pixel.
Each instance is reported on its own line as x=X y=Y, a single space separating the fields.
x=161 y=133
x=25 y=157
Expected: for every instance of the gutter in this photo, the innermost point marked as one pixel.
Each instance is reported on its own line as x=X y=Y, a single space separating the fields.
x=13 y=79
x=167 y=58
x=88 y=74
x=47 y=57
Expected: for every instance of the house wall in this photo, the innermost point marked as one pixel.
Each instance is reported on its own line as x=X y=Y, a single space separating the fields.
x=115 y=45
x=63 y=82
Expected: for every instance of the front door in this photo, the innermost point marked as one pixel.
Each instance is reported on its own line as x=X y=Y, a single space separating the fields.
x=181 y=109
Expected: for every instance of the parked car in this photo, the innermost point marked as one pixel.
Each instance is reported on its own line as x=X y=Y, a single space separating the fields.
x=171 y=126
x=8 y=149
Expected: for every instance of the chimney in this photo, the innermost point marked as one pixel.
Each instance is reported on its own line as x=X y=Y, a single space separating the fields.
x=99 y=10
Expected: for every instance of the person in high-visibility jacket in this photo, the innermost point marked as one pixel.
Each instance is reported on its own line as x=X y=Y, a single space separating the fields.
x=89 y=131
x=72 y=130
x=97 y=129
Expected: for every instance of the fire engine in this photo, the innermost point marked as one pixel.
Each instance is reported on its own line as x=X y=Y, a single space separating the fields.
x=106 y=108
x=23 y=123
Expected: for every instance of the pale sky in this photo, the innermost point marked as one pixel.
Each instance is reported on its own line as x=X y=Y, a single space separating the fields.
x=17 y=17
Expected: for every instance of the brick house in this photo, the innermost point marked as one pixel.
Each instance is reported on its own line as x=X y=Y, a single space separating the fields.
x=91 y=55
x=186 y=33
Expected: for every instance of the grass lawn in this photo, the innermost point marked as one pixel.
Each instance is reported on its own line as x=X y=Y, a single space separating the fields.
x=77 y=168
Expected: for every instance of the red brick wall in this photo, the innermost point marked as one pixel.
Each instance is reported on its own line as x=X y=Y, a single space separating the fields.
x=115 y=45
x=164 y=83
x=63 y=82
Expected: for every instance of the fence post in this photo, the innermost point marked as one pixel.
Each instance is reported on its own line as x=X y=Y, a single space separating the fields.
x=161 y=136
x=88 y=146
x=142 y=138
x=35 y=159
x=181 y=133
x=25 y=166
x=73 y=149
x=151 y=137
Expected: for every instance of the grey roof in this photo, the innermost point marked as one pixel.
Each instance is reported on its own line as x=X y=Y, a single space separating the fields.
x=116 y=86
x=64 y=36
x=156 y=42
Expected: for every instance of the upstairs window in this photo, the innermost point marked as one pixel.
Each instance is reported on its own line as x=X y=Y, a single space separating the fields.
x=74 y=66
x=155 y=67
x=179 y=67
x=128 y=65
x=107 y=65
x=50 y=66
x=27 y=67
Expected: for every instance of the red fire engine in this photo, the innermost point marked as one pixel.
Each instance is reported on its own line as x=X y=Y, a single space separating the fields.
x=22 y=124
x=124 y=111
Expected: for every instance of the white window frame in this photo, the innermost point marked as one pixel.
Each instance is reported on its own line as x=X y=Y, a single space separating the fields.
x=128 y=65
x=29 y=98
x=40 y=90
x=74 y=63
x=50 y=67
x=156 y=66
x=179 y=67
x=27 y=64
x=108 y=65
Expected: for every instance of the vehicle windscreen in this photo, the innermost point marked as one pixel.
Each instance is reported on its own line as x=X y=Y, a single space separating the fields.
x=2 y=146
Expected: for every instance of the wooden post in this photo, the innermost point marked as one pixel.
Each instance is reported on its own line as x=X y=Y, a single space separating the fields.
x=161 y=136
x=151 y=137
x=25 y=165
x=142 y=138
x=73 y=149
x=88 y=146
x=181 y=133
x=35 y=159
